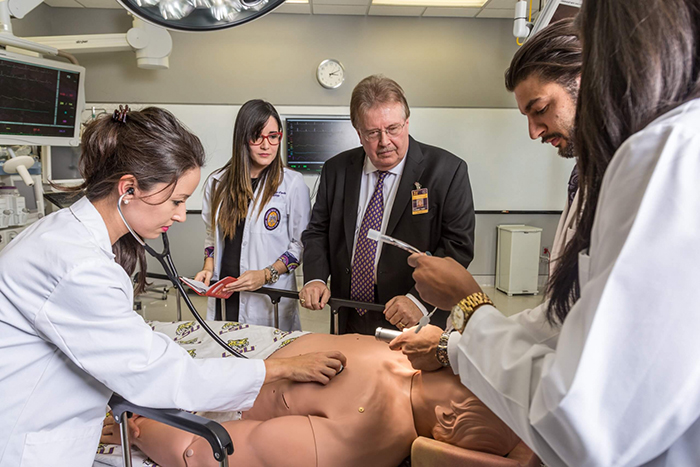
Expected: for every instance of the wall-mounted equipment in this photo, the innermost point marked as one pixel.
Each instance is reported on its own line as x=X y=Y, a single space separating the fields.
x=60 y=165
x=554 y=10
x=311 y=141
x=40 y=102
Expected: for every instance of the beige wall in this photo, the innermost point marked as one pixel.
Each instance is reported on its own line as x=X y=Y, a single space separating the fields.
x=440 y=62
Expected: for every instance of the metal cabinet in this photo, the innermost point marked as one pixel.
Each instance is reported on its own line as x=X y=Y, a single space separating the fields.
x=518 y=259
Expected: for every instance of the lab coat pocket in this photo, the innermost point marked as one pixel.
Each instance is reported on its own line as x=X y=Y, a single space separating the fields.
x=63 y=446
x=584 y=264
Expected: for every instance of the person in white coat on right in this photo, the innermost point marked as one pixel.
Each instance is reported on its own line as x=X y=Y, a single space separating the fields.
x=622 y=387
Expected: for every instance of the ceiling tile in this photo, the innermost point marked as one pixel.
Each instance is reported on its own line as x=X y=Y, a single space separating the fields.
x=294 y=8
x=341 y=2
x=380 y=10
x=113 y=4
x=502 y=4
x=64 y=3
x=339 y=9
x=486 y=13
x=456 y=12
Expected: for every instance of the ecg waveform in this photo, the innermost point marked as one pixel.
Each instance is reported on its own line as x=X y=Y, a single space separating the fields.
x=36 y=100
x=310 y=143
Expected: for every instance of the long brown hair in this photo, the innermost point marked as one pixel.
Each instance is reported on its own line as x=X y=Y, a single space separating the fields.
x=153 y=146
x=641 y=58
x=233 y=192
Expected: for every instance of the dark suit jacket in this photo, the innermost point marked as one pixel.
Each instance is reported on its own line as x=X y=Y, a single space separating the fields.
x=446 y=230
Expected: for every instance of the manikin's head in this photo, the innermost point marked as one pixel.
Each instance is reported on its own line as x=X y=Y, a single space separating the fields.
x=447 y=411
x=379 y=112
x=544 y=75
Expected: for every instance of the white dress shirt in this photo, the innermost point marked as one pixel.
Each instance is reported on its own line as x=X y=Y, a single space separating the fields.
x=392 y=180
x=370 y=176
x=622 y=385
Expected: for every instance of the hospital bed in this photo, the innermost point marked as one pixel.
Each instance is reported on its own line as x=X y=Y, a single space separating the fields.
x=261 y=342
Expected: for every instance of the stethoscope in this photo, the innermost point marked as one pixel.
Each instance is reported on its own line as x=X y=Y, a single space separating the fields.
x=166 y=261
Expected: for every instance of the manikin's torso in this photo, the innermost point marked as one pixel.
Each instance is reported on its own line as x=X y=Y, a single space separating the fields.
x=346 y=413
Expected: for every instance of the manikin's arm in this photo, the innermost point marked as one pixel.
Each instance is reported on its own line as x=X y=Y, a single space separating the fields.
x=285 y=441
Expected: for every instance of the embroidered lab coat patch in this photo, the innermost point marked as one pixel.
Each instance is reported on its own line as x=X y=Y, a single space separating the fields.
x=272 y=218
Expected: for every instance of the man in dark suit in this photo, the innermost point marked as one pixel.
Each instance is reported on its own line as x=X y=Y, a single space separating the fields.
x=416 y=193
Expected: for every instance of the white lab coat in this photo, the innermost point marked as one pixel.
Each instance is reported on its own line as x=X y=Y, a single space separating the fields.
x=535 y=319
x=622 y=387
x=69 y=338
x=261 y=246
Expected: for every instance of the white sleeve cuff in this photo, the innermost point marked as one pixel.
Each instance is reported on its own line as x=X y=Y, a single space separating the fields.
x=418 y=304
x=452 y=346
x=315 y=280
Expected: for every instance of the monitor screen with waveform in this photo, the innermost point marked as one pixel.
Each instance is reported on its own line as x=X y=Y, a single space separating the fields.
x=37 y=100
x=312 y=141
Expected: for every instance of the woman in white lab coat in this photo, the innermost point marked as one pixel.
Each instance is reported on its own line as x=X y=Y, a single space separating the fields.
x=622 y=385
x=255 y=210
x=68 y=334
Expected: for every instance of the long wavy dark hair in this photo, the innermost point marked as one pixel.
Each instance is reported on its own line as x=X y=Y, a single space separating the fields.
x=153 y=146
x=233 y=192
x=641 y=59
x=553 y=54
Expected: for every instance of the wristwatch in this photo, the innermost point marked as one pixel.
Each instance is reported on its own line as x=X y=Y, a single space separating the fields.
x=466 y=307
x=274 y=275
x=441 y=352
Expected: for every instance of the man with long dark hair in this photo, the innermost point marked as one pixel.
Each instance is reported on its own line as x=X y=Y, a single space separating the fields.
x=622 y=386
x=544 y=76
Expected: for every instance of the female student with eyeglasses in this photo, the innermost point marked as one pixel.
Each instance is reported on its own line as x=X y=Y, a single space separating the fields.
x=254 y=210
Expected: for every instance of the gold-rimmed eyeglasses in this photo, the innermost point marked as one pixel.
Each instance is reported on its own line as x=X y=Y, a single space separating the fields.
x=376 y=135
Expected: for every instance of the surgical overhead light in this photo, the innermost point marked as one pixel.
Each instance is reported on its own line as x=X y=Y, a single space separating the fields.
x=199 y=15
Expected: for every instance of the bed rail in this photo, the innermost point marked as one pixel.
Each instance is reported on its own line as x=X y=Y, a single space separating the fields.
x=215 y=434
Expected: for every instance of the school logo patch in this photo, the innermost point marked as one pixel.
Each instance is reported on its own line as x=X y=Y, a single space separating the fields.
x=272 y=218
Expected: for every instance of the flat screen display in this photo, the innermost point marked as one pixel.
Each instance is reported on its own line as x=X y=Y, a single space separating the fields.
x=64 y=163
x=312 y=141
x=37 y=100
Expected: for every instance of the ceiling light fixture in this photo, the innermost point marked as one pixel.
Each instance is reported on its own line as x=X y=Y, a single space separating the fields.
x=199 y=15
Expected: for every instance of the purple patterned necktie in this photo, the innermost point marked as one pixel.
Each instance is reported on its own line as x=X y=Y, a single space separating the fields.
x=362 y=278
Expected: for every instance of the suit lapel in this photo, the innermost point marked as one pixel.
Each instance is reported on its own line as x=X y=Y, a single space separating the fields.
x=411 y=173
x=353 y=178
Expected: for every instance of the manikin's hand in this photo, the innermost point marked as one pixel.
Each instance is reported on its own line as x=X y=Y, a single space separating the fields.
x=421 y=348
x=249 y=280
x=314 y=295
x=111 y=433
x=204 y=276
x=319 y=367
x=442 y=282
x=402 y=312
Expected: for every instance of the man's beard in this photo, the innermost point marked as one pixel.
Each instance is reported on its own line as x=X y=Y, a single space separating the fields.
x=567 y=152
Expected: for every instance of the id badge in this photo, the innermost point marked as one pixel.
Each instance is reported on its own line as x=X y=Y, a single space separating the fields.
x=419 y=201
